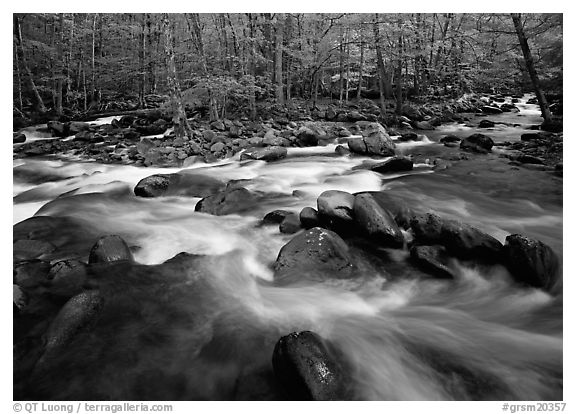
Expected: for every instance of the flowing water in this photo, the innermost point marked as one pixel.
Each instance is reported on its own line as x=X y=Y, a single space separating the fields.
x=402 y=336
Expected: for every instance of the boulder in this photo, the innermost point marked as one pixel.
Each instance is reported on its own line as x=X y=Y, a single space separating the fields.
x=75 y=126
x=306 y=137
x=85 y=136
x=460 y=240
x=276 y=216
x=316 y=254
x=68 y=278
x=290 y=224
x=491 y=110
x=235 y=131
x=375 y=141
x=477 y=143
x=217 y=147
x=396 y=206
x=450 y=138
x=394 y=164
x=57 y=128
x=144 y=146
x=31 y=249
x=355 y=116
x=31 y=274
x=230 y=201
x=486 y=123
x=218 y=125
x=110 y=248
x=531 y=262
x=409 y=136
x=307 y=369
x=532 y=136
x=335 y=208
x=275 y=141
x=529 y=159
x=342 y=150
x=309 y=218
x=552 y=126
x=376 y=222
x=423 y=125
x=432 y=259
x=273 y=153
x=76 y=316
x=179 y=184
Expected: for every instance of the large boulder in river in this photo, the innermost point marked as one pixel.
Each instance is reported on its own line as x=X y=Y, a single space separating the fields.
x=316 y=254
x=461 y=240
x=477 y=143
x=309 y=218
x=18 y=138
x=232 y=200
x=394 y=164
x=531 y=262
x=335 y=208
x=486 y=123
x=375 y=141
x=110 y=248
x=308 y=369
x=77 y=315
x=181 y=184
x=307 y=137
x=376 y=222
x=272 y=153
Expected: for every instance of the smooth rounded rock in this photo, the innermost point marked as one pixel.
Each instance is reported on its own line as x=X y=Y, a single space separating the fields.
x=376 y=222
x=110 y=248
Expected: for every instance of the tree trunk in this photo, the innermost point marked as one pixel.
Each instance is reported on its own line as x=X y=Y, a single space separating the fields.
x=516 y=18
x=69 y=62
x=399 y=75
x=142 y=64
x=279 y=41
x=18 y=77
x=60 y=81
x=181 y=126
x=380 y=64
x=20 y=47
x=361 y=69
x=93 y=85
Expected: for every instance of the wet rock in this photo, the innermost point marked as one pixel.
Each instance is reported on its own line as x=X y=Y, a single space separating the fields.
x=75 y=127
x=77 y=315
x=275 y=141
x=56 y=128
x=477 y=143
x=275 y=217
x=486 y=123
x=316 y=254
x=31 y=249
x=309 y=218
x=307 y=369
x=335 y=208
x=343 y=132
x=432 y=259
x=307 y=137
x=394 y=164
x=342 y=150
x=355 y=116
x=506 y=107
x=217 y=147
x=68 y=278
x=450 y=139
x=31 y=274
x=265 y=154
x=532 y=136
x=235 y=131
x=376 y=222
x=531 y=262
x=290 y=224
x=218 y=125
x=181 y=184
x=18 y=138
x=529 y=159
x=131 y=134
x=409 y=136
x=423 y=125
x=230 y=201
x=397 y=207
x=85 y=136
x=461 y=240
x=375 y=141
x=491 y=110
x=110 y=248
x=19 y=298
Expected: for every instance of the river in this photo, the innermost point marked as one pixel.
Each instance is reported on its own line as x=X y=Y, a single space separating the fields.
x=484 y=337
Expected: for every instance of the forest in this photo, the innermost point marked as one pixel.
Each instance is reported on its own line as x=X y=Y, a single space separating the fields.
x=72 y=63
x=288 y=206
